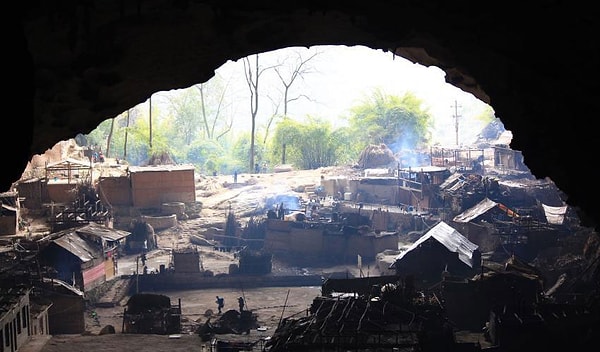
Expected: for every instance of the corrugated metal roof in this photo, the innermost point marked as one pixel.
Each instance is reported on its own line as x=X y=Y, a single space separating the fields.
x=453 y=240
x=451 y=180
x=73 y=243
x=58 y=282
x=471 y=213
x=103 y=231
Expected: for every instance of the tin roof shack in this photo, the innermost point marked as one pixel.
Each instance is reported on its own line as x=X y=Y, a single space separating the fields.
x=151 y=186
x=477 y=223
x=147 y=313
x=325 y=242
x=9 y=213
x=83 y=255
x=441 y=251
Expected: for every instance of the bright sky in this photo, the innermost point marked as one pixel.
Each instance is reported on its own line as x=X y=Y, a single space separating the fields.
x=342 y=76
x=345 y=75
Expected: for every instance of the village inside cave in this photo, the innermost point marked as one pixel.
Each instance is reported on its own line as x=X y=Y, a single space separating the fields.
x=456 y=249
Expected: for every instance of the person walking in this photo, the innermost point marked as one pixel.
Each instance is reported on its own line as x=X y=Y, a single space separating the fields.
x=241 y=303
x=220 y=303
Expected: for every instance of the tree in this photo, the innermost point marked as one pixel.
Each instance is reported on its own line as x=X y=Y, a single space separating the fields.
x=252 y=74
x=289 y=72
x=398 y=122
x=310 y=144
x=212 y=103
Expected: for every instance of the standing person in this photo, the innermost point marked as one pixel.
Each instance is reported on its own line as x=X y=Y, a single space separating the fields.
x=235 y=176
x=241 y=303
x=220 y=303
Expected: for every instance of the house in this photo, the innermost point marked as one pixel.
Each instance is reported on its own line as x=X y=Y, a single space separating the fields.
x=84 y=256
x=151 y=186
x=439 y=252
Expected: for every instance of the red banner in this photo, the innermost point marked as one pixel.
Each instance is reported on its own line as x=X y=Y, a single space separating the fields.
x=93 y=274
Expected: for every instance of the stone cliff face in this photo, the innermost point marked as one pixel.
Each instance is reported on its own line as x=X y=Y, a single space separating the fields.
x=77 y=63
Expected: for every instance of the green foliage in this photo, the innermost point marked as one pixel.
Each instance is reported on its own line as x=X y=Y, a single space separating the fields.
x=240 y=151
x=308 y=145
x=399 y=122
x=186 y=122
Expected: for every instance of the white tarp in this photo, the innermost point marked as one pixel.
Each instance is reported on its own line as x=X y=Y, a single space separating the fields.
x=555 y=215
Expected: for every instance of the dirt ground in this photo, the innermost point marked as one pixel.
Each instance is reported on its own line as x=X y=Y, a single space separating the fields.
x=268 y=304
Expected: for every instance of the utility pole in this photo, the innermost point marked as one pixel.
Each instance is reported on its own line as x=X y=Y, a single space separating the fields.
x=456 y=116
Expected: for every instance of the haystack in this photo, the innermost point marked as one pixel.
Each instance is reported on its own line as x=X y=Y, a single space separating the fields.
x=374 y=156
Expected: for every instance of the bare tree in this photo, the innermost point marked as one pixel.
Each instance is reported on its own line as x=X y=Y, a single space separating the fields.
x=288 y=73
x=252 y=74
x=210 y=126
x=298 y=69
x=275 y=113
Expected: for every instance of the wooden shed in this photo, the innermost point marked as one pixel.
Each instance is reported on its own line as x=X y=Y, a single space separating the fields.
x=151 y=186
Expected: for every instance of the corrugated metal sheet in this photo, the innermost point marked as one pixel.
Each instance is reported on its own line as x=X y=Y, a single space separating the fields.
x=58 y=282
x=76 y=245
x=453 y=181
x=453 y=240
x=103 y=231
x=471 y=213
